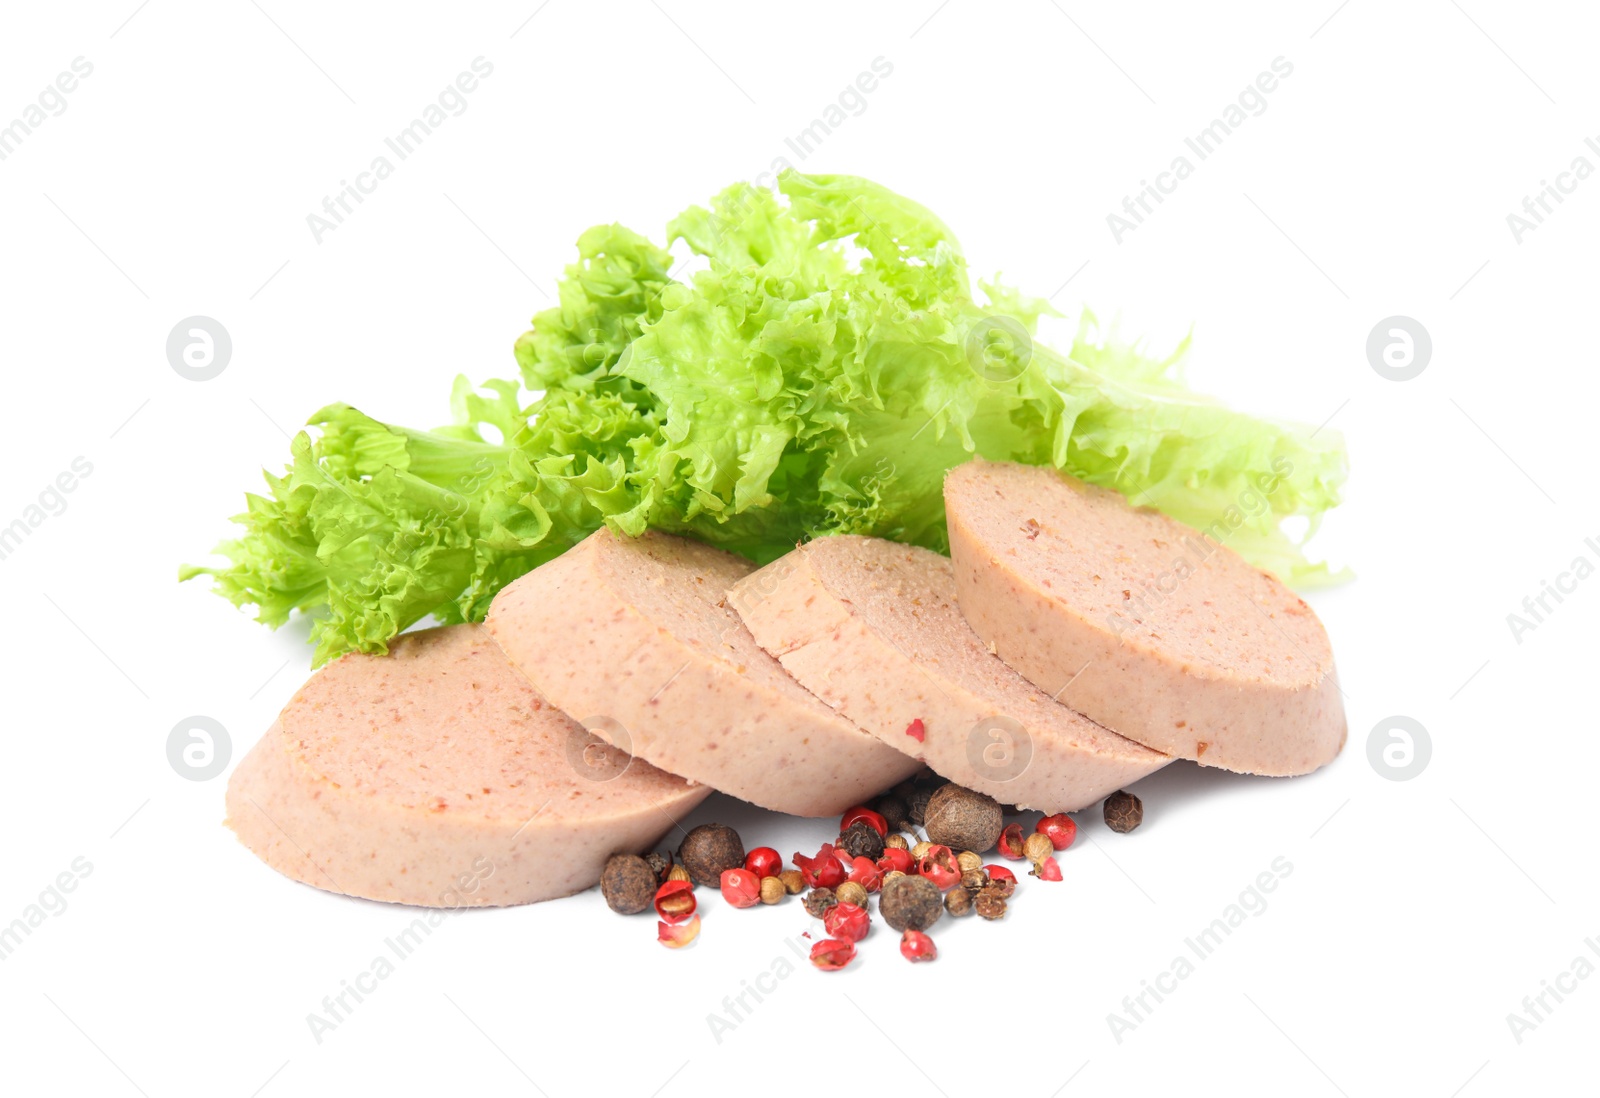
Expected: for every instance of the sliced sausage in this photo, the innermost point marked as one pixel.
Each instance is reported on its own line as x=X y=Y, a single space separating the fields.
x=872 y=628
x=438 y=776
x=1149 y=626
x=634 y=636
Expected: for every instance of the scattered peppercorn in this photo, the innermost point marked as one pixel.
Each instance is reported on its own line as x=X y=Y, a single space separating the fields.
x=968 y=859
x=910 y=902
x=917 y=806
x=958 y=901
x=1047 y=869
x=763 y=861
x=990 y=903
x=862 y=840
x=894 y=858
x=741 y=888
x=893 y=873
x=920 y=850
x=846 y=921
x=794 y=882
x=974 y=879
x=818 y=901
x=896 y=842
x=708 y=850
x=917 y=946
x=660 y=863
x=677 y=873
x=851 y=892
x=677 y=936
x=1010 y=843
x=675 y=901
x=772 y=890
x=628 y=884
x=1061 y=829
x=830 y=954
x=865 y=872
x=1001 y=878
x=963 y=819
x=866 y=815
x=939 y=866
x=894 y=810
x=1037 y=847
x=1123 y=811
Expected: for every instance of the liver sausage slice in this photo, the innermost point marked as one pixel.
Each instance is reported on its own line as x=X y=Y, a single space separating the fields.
x=871 y=627
x=1141 y=622
x=635 y=638
x=437 y=776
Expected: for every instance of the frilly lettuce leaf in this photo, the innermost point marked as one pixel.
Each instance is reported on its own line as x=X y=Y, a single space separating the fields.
x=820 y=375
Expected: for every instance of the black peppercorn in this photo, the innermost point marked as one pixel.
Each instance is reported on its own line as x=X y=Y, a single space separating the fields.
x=819 y=901
x=1123 y=811
x=910 y=903
x=974 y=879
x=990 y=903
x=861 y=840
x=628 y=884
x=660 y=863
x=708 y=850
x=962 y=819
x=894 y=810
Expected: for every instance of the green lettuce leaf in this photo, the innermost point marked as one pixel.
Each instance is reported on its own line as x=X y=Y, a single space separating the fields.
x=819 y=375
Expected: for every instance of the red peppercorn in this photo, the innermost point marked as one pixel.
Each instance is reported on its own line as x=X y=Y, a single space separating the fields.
x=1060 y=828
x=823 y=871
x=917 y=730
x=917 y=946
x=939 y=866
x=846 y=922
x=675 y=901
x=830 y=955
x=866 y=815
x=1000 y=873
x=741 y=888
x=1011 y=842
x=1047 y=870
x=895 y=858
x=676 y=937
x=865 y=873
x=764 y=861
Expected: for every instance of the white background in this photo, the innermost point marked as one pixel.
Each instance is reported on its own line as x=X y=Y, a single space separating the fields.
x=1418 y=914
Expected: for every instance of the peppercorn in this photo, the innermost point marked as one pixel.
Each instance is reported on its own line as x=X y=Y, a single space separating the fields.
x=851 y=893
x=912 y=902
x=968 y=859
x=917 y=946
x=708 y=850
x=1001 y=879
x=818 y=901
x=893 y=873
x=974 y=879
x=990 y=903
x=772 y=890
x=1123 y=811
x=678 y=873
x=1010 y=842
x=963 y=819
x=660 y=863
x=896 y=842
x=794 y=881
x=917 y=806
x=861 y=840
x=920 y=850
x=1037 y=847
x=894 y=810
x=958 y=901
x=628 y=884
